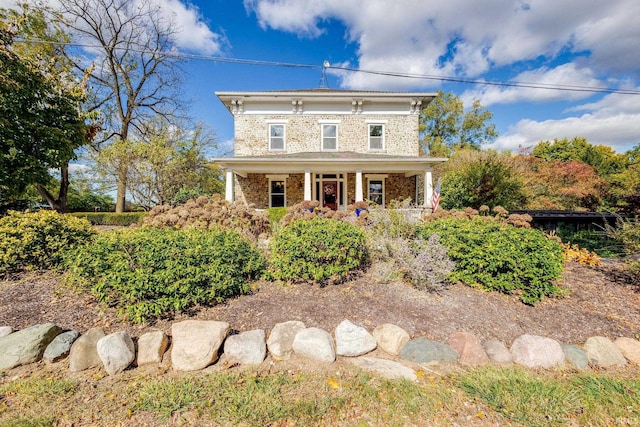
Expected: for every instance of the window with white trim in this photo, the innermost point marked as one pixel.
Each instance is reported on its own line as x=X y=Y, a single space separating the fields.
x=276 y=137
x=277 y=193
x=376 y=137
x=329 y=137
x=376 y=191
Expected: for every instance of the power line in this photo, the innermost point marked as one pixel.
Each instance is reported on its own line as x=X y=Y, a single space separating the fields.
x=257 y=62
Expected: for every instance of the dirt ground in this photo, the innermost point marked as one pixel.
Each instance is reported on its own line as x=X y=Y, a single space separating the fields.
x=601 y=301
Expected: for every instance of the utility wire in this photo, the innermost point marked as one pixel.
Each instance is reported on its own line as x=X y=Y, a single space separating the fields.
x=241 y=61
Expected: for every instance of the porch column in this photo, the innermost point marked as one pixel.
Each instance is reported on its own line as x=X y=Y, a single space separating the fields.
x=428 y=189
x=359 y=195
x=228 y=193
x=307 y=185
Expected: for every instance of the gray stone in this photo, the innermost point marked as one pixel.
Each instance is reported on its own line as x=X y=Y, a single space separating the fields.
x=196 y=343
x=315 y=343
x=247 y=348
x=60 y=346
x=498 y=352
x=353 y=340
x=84 y=351
x=151 y=347
x=424 y=350
x=629 y=348
x=386 y=368
x=116 y=351
x=281 y=338
x=5 y=330
x=469 y=348
x=602 y=352
x=537 y=352
x=575 y=356
x=26 y=346
x=391 y=338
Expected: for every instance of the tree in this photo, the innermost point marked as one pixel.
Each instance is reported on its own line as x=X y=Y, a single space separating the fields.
x=134 y=72
x=40 y=121
x=446 y=127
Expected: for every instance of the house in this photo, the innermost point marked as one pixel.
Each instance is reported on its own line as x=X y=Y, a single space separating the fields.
x=334 y=146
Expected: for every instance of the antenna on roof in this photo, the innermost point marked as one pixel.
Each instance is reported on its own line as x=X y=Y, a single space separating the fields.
x=323 y=84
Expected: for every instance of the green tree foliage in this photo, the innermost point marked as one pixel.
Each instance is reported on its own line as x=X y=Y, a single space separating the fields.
x=476 y=178
x=446 y=127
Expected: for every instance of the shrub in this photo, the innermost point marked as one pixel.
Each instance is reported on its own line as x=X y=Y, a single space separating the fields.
x=148 y=273
x=310 y=209
x=495 y=256
x=124 y=219
x=396 y=221
x=318 y=250
x=580 y=255
x=37 y=240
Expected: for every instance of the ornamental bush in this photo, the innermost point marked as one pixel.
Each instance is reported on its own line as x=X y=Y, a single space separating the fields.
x=150 y=273
x=317 y=249
x=38 y=240
x=492 y=255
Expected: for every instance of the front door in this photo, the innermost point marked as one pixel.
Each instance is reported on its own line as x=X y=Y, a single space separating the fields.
x=330 y=194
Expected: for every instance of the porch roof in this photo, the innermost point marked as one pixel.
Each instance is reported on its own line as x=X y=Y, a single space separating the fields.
x=328 y=161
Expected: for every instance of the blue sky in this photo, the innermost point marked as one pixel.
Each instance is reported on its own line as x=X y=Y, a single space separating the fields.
x=586 y=43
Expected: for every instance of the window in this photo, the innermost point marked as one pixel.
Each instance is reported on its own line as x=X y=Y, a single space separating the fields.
x=276 y=137
x=330 y=137
x=277 y=193
x=376 y=191
x=376 y=137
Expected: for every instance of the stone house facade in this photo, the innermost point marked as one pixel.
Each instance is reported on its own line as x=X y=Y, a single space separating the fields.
x=334 y=146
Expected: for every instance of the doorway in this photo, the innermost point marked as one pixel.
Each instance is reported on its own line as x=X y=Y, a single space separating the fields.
x=330 y=194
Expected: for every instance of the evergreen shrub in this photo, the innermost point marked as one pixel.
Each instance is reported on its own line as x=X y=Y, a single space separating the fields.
x=124 y=219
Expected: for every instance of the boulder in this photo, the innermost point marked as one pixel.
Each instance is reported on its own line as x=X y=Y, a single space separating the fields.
x=575 y=356
x=424 y=350
x=84 y=351
x=537 y=352
x=315 y=343
x=281 y=338
x=116 y=351
x=5 y=330
x=26 y=346
x=391 y=338
x=469 y=347
x=497 y=352
x=602 y=352
x=629 y=348
x=353 y=340
x=60 y=346
x=151 y=347
x=247 y=348
x=196 y=343
x=386 y=368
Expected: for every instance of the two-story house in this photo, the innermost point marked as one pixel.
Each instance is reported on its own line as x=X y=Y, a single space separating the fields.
x=334 y=146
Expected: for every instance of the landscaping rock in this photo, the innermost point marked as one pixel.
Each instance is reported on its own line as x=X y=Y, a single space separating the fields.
x=60 y=346
x=537 y=352
x=26 y=346
x=575 y=356
x=386 y=368
x=602 y=352
x=424 y=350
x=497 y=352
x=196 y=343
x=353 y=340
x=5 y=330
x=116 y=351
x=247 y=348
x=281 y=338
x=315 y=343
x=84 y=351
x=629 y=348
x=391 y=338
x=151 y=347
x=469 y=348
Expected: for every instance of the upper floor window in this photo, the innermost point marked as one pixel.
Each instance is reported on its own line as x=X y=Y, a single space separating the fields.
x=276 y=137
x=330 y=137
x=376 y=137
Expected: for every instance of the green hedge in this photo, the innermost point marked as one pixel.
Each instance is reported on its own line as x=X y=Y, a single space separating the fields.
x=111 y=218
x=148 y=273
x=495 y=256
x=317 y=250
